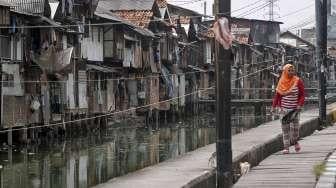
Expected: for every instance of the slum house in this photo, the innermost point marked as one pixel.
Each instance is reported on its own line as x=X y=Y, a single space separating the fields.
x=309 y=34
x=174 y=59
x=254 y=56
x=76 y=13
x=182 y=19
x=255 y=41
x=151 y=15
x=124 y=54
x=7 y=59
x=253 y=50
x=300 y=53
x=21 y=99
x=184 y=77
x=195 y=55
x=295 y=41
x=128 y=45
x=172 y=81
x=47 y=63
x=99 y=86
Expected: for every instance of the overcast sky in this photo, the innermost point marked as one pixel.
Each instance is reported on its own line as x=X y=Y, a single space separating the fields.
x=291 y=12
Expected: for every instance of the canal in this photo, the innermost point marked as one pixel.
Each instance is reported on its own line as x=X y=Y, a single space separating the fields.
x=87 y=161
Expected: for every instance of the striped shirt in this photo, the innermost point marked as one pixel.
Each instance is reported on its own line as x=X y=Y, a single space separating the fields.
x=290 y=101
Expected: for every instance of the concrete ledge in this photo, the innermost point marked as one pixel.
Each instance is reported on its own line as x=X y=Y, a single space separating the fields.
x=258 y=153
x=206 y=180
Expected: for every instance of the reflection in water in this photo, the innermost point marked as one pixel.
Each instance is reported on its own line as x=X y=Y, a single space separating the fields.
x=85 y=162
x=105 y=154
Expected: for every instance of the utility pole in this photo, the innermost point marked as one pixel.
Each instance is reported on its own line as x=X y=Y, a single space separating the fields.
x=271 y=10
x=321 y=55
x=223 y=105
x=1 y=97
x=205 y=8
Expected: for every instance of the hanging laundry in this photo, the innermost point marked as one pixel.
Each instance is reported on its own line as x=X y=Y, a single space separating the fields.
x=132 y=91
x=35 y=104
x=222 y=32
x=70 y=4
x=168 y=81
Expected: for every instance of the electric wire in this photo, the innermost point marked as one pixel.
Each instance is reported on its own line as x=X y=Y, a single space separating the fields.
x=110 y=23
x=296 y=11
x=124 y=111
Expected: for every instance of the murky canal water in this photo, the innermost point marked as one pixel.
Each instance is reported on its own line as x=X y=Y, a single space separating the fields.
x=85 y=162
x=91 y=160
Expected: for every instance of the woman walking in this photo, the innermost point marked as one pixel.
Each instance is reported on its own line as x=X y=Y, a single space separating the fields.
x=289 y=98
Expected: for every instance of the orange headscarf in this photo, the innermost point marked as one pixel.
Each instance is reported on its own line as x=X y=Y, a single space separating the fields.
x=286 y=84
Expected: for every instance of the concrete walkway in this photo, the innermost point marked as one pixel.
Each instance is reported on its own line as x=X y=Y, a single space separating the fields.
x=294 y=170
x=193 y=170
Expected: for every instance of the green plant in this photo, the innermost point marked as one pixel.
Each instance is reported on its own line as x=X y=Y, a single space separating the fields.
x=319 y=169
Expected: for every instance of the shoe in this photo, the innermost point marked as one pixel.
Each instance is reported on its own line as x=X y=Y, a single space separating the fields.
x=297 y=147
x=285 y=151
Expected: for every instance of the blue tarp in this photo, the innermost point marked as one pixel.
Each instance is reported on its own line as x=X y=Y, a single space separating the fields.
x=168 y=80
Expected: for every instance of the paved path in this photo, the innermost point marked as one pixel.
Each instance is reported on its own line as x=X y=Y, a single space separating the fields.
x=190 y=168
x=294 y=170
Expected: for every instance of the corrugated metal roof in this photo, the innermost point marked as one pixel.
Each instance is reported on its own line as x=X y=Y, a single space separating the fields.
x=177 y=10
x=101 y=68
x=50 y=21
x=5 y=3
x=108 y=16
x=101 y=12
x=296 y=37
x=115 y=5
x=196 y=68
x=144 y=32
x=28 y=6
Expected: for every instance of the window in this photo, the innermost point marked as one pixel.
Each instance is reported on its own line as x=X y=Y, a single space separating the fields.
x=4 y=50
x=8 y=80
x=108 y=43
x=99 y=34
x=56 y=97
x=86 y=30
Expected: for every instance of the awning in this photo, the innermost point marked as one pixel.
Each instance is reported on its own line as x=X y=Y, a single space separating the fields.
x=101 y=68
x=52 y=60
x=108 y=15
x=144 y=32
x=168 y=80
x=196 y=68
x=188 y=44
x=127 y=37
x=49 y=21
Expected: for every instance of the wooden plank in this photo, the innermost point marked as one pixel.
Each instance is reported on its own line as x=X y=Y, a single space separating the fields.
x=293 y=170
